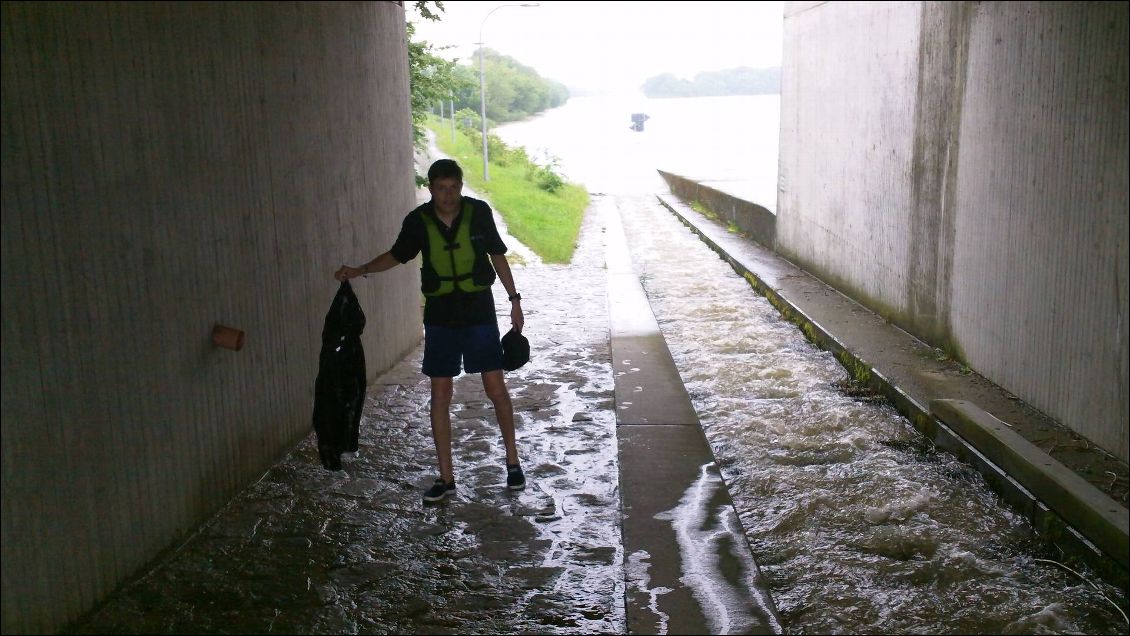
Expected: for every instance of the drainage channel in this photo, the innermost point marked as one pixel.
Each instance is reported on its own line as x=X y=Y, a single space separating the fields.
x=858 y=524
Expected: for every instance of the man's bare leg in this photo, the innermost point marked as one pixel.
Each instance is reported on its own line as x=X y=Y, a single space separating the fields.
x=495 y=385
x=442 y=389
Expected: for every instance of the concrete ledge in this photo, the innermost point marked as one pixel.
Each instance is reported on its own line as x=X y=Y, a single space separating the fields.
x=753 y=219
x=1070 y=496
x=657 y=601
x=648 y=388
x=688 y=566
x=647 y=385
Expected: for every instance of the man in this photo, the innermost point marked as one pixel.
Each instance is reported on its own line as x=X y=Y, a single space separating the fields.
x=462 y=255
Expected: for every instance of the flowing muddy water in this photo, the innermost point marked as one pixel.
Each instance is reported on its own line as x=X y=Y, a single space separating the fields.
x=858 y=523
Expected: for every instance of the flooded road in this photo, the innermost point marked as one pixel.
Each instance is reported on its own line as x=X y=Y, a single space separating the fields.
x=858 y=524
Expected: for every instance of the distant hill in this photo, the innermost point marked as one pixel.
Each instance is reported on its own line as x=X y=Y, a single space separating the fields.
x=736 y=81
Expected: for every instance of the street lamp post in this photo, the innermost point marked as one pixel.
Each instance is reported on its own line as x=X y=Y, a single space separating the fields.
x=452 y=119
x=483 y=83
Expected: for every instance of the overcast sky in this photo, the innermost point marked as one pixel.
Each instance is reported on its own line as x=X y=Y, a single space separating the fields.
x=612 y=46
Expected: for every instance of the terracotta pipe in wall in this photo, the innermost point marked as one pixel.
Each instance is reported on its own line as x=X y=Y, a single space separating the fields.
x=227 y=337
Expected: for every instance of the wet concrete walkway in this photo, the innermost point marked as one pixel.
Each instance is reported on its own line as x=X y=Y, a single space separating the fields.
x=305 y=550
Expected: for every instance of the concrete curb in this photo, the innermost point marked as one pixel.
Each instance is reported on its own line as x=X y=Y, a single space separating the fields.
x=1061 y=489
x=688 y=565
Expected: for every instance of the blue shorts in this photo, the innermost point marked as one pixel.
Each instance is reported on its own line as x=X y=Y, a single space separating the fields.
x=478 y=347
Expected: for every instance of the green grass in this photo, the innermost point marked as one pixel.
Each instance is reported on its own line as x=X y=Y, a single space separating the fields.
x=700 y=207
x=546 y=222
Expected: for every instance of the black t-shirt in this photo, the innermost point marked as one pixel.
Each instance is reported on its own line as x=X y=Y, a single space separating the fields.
x=457 y=309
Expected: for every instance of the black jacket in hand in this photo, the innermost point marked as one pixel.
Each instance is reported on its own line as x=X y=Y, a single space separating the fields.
x=339 y=391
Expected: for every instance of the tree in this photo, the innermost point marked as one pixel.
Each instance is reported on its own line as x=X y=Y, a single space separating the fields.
x=431 y=78
x=736 y=81
x=514 y=91
x=666 y=85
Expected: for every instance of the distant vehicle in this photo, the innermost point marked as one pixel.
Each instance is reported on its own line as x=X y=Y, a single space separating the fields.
x=637 y=121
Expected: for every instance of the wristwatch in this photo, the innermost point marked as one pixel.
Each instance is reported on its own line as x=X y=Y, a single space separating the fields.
x=514 y=297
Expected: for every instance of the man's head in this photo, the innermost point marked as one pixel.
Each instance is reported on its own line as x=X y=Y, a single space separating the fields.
x=445 y=182
x=444 y=168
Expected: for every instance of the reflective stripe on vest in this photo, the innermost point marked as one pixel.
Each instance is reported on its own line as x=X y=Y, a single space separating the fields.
x=453 y=262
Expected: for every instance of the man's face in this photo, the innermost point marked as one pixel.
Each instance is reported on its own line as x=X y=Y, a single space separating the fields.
x=446 y=194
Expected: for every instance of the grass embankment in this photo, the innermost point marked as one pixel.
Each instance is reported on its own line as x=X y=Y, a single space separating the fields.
x=546 y=222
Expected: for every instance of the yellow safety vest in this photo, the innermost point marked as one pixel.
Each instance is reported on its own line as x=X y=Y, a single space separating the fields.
x=450 y=266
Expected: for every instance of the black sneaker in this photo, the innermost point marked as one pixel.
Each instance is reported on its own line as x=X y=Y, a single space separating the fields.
x=439 y=490
x=515 y=480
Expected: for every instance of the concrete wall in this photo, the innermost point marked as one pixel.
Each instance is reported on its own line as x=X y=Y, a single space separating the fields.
x=961 y=168
x=168 y=166
x=754 y=220
x=1041 y=229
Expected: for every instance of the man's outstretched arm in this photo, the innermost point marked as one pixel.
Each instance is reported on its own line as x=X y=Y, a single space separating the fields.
x=382 y=263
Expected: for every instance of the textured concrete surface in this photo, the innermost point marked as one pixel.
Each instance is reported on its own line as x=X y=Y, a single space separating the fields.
x=214 y=162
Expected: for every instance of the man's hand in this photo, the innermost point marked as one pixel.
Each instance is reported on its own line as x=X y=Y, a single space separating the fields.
x=516 y=317
x=346 y=272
